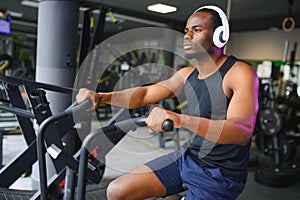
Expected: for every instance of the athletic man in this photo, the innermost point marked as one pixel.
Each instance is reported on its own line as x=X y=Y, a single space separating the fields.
x=222 y=96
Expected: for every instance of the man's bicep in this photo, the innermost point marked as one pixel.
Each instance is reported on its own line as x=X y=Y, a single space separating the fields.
x=168 y=88
x=163 y=90
x=244 y=102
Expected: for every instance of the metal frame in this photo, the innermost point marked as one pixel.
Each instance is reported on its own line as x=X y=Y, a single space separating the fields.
x=40 y=110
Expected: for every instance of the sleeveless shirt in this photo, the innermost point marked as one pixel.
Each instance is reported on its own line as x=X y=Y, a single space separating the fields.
x=206 y=98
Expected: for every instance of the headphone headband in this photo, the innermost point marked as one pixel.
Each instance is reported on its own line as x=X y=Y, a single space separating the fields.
x=223 y=35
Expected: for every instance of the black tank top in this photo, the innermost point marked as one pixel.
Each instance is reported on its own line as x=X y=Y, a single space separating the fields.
x=206 y=98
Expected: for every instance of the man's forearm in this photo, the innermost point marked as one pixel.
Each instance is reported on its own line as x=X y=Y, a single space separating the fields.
x=219 y=131
x=128 y=98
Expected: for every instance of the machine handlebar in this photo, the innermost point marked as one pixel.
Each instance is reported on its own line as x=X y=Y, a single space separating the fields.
x=77 y=108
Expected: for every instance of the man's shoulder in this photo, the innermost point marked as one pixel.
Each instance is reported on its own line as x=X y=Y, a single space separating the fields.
x=242 y=65
x=186 y=71
x=242 y=69
x=240 y=61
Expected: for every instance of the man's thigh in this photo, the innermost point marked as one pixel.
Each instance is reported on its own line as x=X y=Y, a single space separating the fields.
x=167 y=169
x=207 y=183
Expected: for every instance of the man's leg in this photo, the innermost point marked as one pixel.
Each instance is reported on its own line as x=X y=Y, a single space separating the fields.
x=141 y=183
x=157 y=178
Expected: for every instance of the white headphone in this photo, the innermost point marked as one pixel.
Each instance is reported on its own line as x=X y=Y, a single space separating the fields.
x=221 y=33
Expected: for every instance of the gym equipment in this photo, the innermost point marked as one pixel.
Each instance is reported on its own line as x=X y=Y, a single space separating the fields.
x=286 y=148
x=5 y=62
x=169 y=104
x=288 y=23
x=99 y=135
x=53 y=150
x=53 y=190
x=85 y=44
x=270 y=121
x=276 y=138
x=5 y=23
x=16 y=105
x=221 y=33
x=40 y=111
x=113 y=133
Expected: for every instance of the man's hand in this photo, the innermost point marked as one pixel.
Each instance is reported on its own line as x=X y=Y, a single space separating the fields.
x=85 y=93
x=158 y=115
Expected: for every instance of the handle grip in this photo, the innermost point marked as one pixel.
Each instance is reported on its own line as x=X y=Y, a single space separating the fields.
x=75 y=107
x=168 y=125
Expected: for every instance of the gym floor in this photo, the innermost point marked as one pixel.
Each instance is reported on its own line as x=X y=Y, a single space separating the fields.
x=138 y=147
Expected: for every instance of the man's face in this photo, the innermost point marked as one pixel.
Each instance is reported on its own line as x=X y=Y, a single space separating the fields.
x=198 y=35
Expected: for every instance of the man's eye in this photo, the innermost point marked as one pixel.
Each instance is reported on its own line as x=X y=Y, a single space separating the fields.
x=196 y=30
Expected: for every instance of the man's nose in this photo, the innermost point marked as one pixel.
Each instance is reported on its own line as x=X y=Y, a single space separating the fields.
x=188 y=35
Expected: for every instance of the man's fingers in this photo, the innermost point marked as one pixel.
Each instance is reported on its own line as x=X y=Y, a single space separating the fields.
x=84 y=94
x=154 y=124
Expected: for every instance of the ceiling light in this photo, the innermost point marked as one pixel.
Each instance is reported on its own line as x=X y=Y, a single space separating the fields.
x=161 y=8
x=34 y=4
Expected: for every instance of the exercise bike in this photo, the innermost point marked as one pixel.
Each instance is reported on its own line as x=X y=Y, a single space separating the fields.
x=104 y=138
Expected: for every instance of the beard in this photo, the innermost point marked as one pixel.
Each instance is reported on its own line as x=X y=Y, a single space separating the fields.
x=195 y=54
x=190 y=55
x=198 y=51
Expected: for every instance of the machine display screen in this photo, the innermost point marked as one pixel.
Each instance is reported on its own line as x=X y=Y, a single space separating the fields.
x=4 y=26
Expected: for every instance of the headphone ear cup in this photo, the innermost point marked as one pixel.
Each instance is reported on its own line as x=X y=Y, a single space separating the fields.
x=221 y=33
x=218 y=37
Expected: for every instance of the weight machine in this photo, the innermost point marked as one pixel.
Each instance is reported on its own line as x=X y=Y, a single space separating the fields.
x=278 y=135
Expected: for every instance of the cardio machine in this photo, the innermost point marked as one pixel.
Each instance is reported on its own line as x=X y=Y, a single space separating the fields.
x=102 y=140
x=37 y=109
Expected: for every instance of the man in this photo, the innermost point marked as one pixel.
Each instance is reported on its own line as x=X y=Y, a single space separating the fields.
x=221 y=92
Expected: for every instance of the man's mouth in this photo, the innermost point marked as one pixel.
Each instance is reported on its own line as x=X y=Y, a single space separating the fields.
x=187 y=46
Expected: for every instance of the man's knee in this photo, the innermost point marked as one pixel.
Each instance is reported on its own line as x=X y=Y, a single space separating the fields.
x=116 y=190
